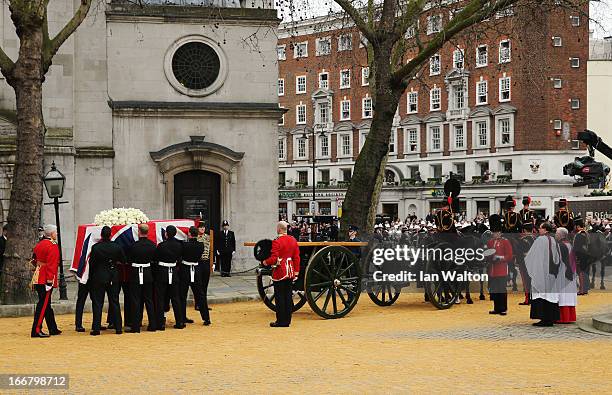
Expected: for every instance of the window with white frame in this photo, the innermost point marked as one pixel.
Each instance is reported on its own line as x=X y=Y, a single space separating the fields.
x=481 y=92
x=365 y=76
x=505 y=131
x=435 y=99
x=300 y=50
x=301 y=148
x=575 y=20
x=323 y=46
x=323 y=113
x=459 y=134
x=366 y=107
x=281 y=149
x=324 y=145
x=434 y=65
x=300 y=84
x=504 y=89
x=345 y=42
x=458 y=60
x=363 y=135
x=482 y=56
x=345 y=144
x=324 y=80
x=575 y=62
x=575 y=104
x=392 y=141
x=505 y=51
x=458 y=96
x=482 y=134
x=412 y=140
x=435 y=138
x=281 y=120
x=557 y=41
x=345 y=79
x=434 y=24
x=300 y=114
x=557 y=83
x=413 y=102
x=345 y=110
x=558 y=124
x=281 y=53
x=281 y=87
x=411 y=31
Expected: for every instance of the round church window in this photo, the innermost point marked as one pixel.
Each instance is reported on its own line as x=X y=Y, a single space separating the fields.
x=195 y=65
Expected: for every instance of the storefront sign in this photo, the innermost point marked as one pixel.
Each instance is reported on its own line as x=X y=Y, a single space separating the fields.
x=437 y=193
x=302 y=195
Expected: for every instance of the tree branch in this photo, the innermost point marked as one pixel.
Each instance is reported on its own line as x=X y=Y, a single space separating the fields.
x=6 y=64
x=361 y=24
x=54 y=45
x=410 y=17
x=474 y=12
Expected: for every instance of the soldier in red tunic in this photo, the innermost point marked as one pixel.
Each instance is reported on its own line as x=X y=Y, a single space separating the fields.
x=498 y=269
x=47 y=255
x=285 y=260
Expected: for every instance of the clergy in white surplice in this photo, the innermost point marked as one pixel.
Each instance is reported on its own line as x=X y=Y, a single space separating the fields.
x=543 y=262
x=566 y=279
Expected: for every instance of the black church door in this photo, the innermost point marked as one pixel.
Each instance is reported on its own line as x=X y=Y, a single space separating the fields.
x=196 y=193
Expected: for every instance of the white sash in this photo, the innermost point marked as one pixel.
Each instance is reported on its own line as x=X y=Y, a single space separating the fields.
x=141 y=267
x=192 y=266
x=169 y=265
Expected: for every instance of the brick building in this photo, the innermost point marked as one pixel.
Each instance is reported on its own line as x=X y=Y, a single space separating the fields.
x=499 y=107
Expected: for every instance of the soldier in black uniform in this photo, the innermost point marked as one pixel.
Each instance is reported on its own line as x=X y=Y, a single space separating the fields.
x=190 y=275
x=564 y=218
x=522 y=248
x=581 y=248
x=226 y=247
x=104 y=277
x=511 y=224
x=141 y=256
x=526 y=214
x=167 y=257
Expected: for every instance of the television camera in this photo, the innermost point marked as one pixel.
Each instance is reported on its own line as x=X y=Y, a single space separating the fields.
x=585 y=169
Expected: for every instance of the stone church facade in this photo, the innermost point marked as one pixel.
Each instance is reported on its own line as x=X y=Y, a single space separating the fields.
x=167 y=108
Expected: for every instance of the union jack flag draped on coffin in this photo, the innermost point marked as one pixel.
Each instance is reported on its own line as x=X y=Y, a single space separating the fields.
x=125 y=235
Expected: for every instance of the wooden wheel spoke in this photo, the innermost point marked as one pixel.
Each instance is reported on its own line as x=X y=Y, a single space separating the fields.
x=327 y=298
x=323 y=284
x=334 y=303
x=347 y=268
x=344 y=301
x=320 y=294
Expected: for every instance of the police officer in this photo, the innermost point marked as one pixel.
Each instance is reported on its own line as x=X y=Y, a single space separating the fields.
x=226 y=247
x=190 y=275
x=167 y=256
x=104 y=277
x=141 y=256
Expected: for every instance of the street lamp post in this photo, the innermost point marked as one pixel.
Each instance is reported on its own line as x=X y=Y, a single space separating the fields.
x=54 y=184
x=314 y=158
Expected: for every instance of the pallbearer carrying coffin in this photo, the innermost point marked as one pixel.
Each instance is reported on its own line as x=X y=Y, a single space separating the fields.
x=191 y=275
x=141 y=256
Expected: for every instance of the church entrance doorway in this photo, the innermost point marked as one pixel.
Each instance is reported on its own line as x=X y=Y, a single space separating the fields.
x=197 y=194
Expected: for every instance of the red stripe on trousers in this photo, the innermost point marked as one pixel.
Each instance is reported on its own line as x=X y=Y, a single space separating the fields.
x=42 y=312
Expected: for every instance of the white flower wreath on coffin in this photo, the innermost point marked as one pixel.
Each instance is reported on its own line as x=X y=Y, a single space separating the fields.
x=120 y=216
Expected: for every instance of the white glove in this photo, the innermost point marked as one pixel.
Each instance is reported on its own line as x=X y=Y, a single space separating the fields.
x=218 y=253
x=48 y=287
x=233 y=252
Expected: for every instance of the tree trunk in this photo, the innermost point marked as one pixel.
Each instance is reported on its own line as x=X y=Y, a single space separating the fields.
x=360 y=194
x=376 y=195
x=26 y=194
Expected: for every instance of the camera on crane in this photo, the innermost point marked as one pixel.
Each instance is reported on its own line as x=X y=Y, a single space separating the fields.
x=586 y=170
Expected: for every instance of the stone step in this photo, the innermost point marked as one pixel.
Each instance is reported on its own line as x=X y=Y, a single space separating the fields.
x=603 y=323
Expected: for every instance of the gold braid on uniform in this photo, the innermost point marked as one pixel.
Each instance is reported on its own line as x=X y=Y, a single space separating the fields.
x=511 y=225
x=560 y=217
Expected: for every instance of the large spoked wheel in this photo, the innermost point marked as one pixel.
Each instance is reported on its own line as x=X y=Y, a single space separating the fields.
x=442 y=294
x=333 y=282
x=265 y=288
x=383 y=294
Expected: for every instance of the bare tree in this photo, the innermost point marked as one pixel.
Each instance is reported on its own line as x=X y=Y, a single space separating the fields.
x=26 y=75
x=391 y=28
